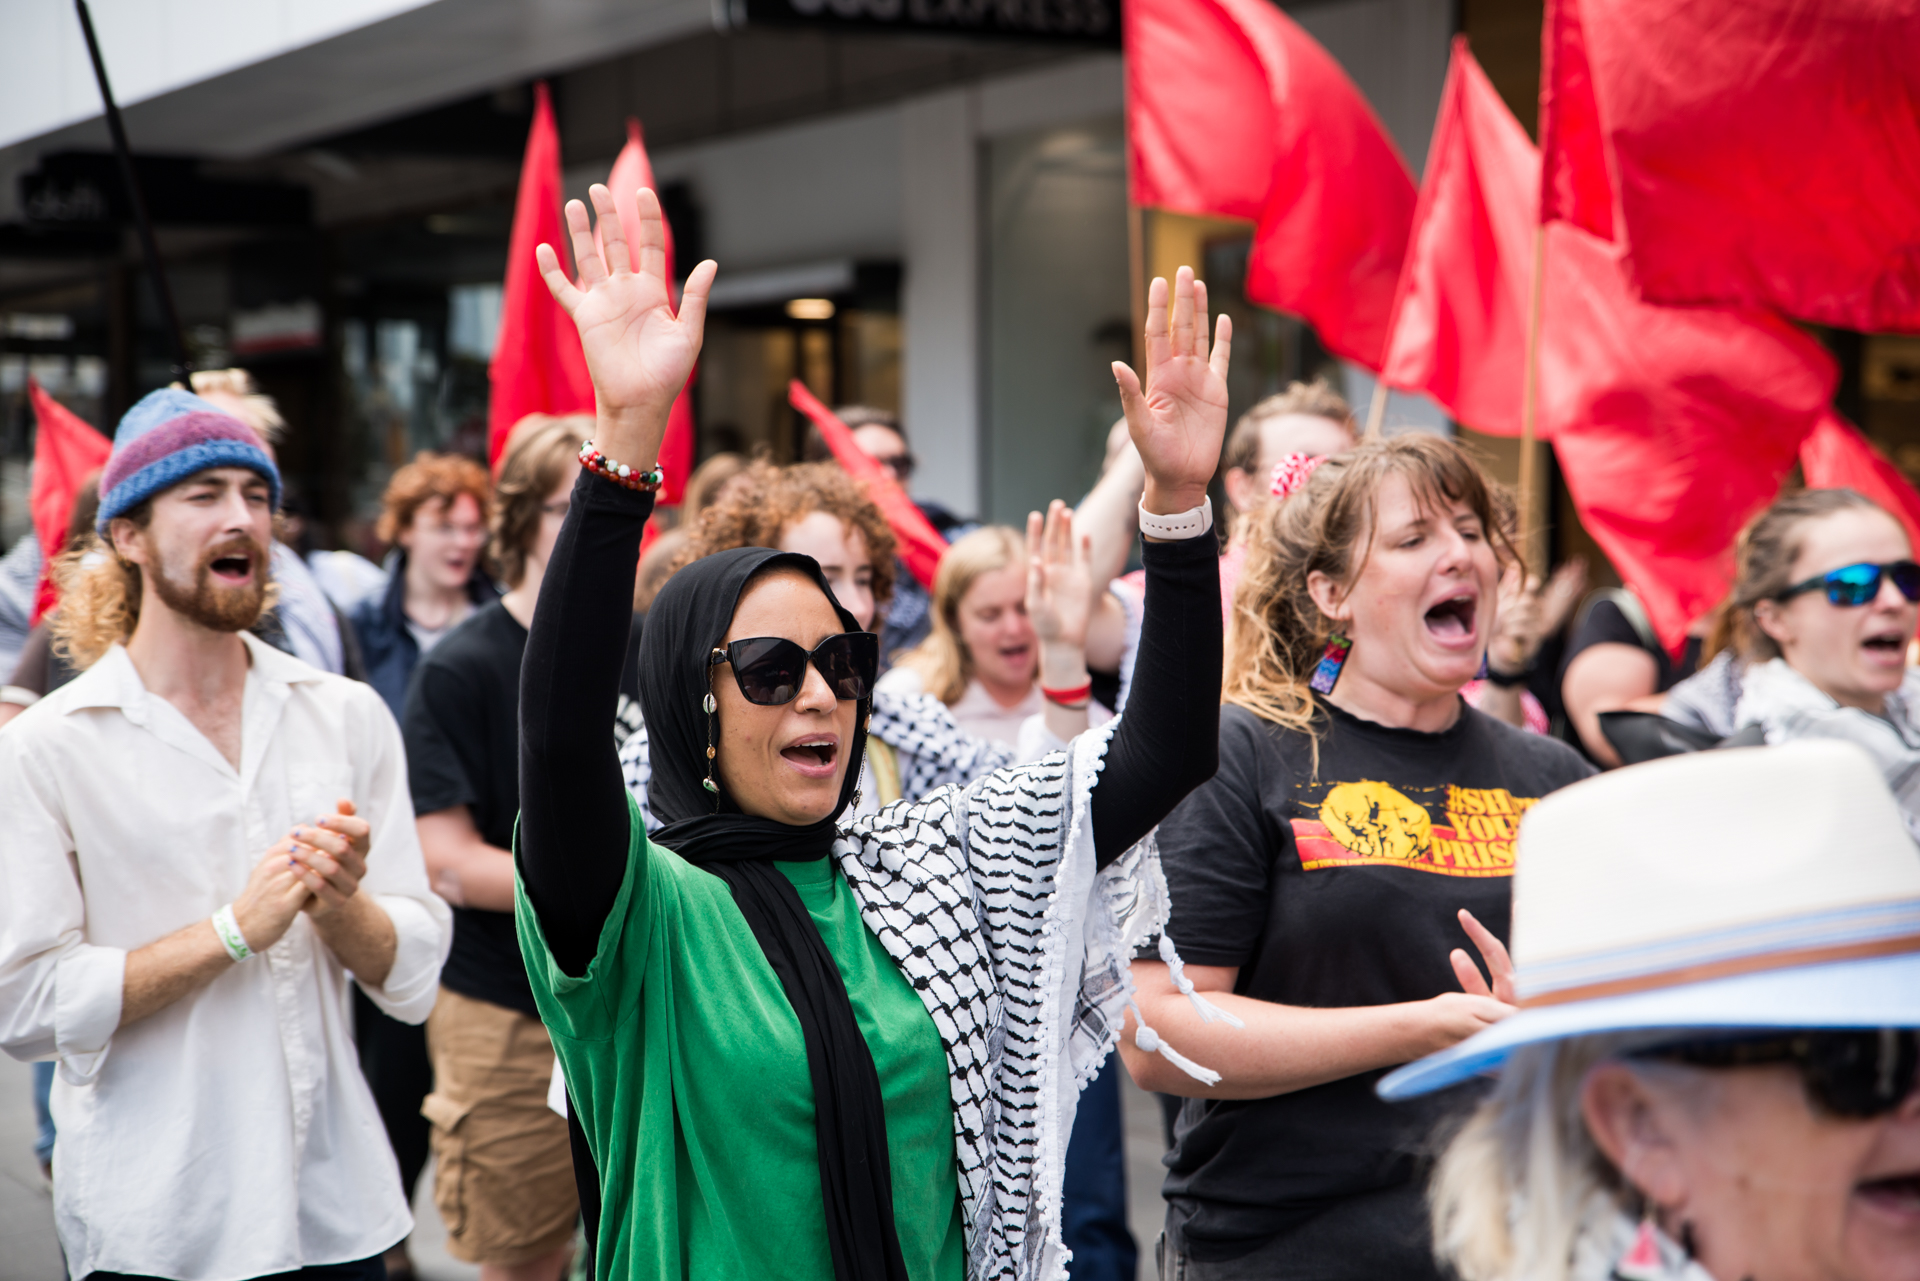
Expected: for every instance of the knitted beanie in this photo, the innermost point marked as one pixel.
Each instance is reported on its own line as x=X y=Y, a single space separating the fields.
x=169 y=436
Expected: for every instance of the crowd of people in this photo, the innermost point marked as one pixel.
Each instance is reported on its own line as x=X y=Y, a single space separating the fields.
x=748 y=907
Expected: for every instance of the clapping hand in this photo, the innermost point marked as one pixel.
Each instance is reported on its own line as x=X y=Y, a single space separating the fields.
x=330 y=858
x=1179 y=420
x=639 y=352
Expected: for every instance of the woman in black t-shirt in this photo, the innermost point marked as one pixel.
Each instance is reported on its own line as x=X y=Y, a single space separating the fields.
x=1326 y=883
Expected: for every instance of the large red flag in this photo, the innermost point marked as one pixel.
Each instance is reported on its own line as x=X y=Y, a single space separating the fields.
x=1764 y=153
x=1234 y=111
x=1673 y=425
x=920 y=543
x=538 y=367
x=1460 y=317
x=632 y=171
x=1836 y=456
x=66 y=450
x=1574 y=185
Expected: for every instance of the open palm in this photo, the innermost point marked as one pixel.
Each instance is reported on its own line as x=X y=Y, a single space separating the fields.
x=1059 y=577
x=638 y=352
x=1180 y=419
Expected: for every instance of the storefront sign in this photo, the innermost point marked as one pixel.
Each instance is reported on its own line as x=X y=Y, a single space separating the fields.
x=1081 y=22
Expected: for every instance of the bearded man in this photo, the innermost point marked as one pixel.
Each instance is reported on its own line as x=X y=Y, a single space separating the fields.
x=206 y=840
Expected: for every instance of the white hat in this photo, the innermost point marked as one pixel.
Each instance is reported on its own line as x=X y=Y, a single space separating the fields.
x=1751 y=888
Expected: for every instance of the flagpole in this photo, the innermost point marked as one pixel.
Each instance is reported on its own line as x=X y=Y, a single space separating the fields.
x=1137 y=281
x=1377 y=408
x=149 y=247
x=1529 y=480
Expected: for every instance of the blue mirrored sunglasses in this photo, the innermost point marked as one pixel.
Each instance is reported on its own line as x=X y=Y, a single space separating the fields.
x=1852 y=585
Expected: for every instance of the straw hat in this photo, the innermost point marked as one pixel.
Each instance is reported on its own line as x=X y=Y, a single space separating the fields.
x=1750 y=888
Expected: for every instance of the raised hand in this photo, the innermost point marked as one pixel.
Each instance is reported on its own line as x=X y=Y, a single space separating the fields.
x=1059 y=578
x=638 y=352
x=1180 y=419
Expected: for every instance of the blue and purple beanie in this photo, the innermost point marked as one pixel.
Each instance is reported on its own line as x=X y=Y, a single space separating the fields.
x=167 y=437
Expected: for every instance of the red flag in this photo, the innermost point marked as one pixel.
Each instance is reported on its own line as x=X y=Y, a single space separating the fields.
x=538 y=367
x=1766 y=152
x=66 y=450
x=1837 y=456
x=1460 y=317
x=1673 y=425
x=1574 y=186
x=632 y=171
x=1234 y=111
x=920 y=544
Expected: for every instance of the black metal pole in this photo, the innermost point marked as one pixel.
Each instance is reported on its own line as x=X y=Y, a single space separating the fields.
x=149 y=247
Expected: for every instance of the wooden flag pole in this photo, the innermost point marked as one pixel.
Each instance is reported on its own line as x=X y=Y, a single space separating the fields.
x=1137 y=282
x=1377 y=408
x=1529 y=477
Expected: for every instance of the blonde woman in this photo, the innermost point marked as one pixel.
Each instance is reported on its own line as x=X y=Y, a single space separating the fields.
x=1714 y=1075
x=984 y=658
x=1327 y=881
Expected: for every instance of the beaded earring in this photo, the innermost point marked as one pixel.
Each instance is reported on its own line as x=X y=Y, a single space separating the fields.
x=1327 y=672
x=708 y=782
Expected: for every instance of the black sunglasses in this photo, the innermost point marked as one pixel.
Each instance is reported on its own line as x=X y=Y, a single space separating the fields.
x=901 y=464
x=1856 y=1074
x=771 y=669
x=1852 y=585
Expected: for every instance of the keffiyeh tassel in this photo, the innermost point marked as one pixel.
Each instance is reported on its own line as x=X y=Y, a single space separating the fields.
x=1177 y=971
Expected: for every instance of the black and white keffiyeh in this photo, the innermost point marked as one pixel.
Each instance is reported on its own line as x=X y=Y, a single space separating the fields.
x=987 y=898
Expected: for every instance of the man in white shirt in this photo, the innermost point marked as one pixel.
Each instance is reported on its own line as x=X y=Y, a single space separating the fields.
x=206 y=840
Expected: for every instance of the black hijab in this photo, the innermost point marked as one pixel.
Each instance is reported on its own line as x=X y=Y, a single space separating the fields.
x=688 y=620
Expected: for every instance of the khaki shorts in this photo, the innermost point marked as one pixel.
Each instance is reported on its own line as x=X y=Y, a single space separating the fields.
x=503 y=1167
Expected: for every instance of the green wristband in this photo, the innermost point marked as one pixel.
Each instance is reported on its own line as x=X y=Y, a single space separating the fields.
x=231 y=938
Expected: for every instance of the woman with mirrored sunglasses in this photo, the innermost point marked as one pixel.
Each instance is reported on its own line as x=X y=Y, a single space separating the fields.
x=1813 y=639
x=914 y=745
x=795 y=1044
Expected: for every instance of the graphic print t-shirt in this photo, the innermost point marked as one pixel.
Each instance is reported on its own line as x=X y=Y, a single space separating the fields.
x=1327 y=889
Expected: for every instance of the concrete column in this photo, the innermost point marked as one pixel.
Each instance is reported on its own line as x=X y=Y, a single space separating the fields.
x=940 y=296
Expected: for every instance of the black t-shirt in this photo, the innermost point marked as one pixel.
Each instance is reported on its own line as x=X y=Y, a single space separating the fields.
x=1606 y=624
x=462 y=730
x=1337 y=889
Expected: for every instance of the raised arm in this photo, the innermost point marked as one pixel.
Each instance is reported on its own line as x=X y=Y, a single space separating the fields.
x=1168 y=743
x=574 y=830
x=1108 y=516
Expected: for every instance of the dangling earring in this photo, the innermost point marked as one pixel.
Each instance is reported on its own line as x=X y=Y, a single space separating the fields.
x=1327 y=672
x=1482 y=673
x=862 y=767
x=708 y=782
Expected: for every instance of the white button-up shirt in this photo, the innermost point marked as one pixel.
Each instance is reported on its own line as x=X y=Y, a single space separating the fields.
x=231 y=1134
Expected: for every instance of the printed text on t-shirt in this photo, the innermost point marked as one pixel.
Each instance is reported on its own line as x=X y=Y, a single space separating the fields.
x=1369 y=823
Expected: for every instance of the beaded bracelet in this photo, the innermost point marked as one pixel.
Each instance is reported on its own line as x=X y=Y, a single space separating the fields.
x=619 y=473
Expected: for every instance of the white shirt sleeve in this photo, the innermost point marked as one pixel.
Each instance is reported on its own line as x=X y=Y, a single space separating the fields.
x=397 y=872
x=59 y=995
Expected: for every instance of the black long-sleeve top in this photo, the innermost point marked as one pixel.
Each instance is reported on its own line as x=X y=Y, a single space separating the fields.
x=574 y=832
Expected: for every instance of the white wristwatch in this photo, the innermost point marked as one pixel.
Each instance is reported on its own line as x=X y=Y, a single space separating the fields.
x=1187 y=524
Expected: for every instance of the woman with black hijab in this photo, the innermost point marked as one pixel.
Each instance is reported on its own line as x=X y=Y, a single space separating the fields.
x=799 y=1046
